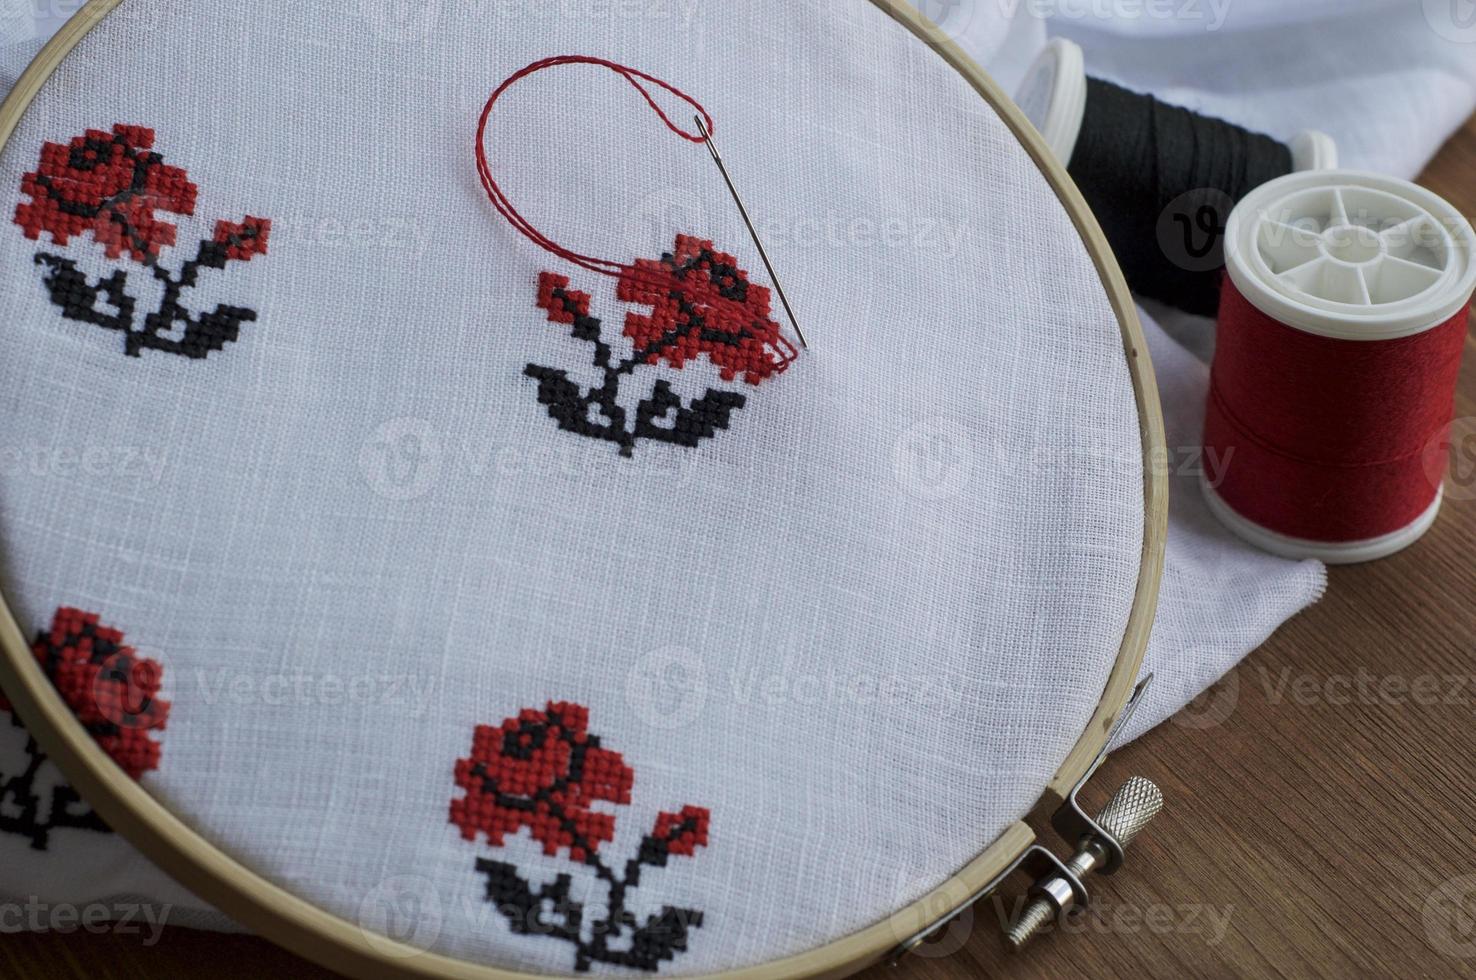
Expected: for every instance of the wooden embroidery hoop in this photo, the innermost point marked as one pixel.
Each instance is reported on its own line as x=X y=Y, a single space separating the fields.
x=346 y=947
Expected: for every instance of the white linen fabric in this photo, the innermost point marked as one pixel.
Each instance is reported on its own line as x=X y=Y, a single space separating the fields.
x=859 y=619
x=1275 y=66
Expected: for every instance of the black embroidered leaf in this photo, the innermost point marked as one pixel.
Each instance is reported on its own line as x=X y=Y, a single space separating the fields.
x=687 y=425
x=68 y=809
x=20 y=803
x=573 y=409
x=210 y=332
x=658 y=941
x=213 y=255
x=548 y=912
x=78 y=298
x=87 y=302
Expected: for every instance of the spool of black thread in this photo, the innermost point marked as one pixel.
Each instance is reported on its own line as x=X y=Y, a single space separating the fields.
x=1161 y=180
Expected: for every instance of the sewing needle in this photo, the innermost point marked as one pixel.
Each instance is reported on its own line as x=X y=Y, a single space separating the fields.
x=752 y=232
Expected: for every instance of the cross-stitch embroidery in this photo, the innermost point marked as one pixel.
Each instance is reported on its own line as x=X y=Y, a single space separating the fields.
x=542 y=771
x=112 y=187
x=114 y=694
x=701 y=304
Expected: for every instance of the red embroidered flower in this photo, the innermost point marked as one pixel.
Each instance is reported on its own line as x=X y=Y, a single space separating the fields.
x=109 y=185
x=541 y=770
x=112 y=691
x=243 y=240
x=684 y=832
x=702 y=303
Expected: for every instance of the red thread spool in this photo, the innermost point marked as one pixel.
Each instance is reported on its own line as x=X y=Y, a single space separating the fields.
x=1342 y=325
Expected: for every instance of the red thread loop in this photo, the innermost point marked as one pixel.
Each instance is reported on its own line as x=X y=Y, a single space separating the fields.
x=499 y=199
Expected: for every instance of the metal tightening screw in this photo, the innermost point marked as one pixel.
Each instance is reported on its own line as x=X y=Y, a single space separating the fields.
x=1128 y=812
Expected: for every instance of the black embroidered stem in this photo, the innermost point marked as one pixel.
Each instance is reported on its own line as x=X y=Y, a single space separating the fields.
x=20 y=802
x=570 y=406
x=203 y=334
x=660 y=939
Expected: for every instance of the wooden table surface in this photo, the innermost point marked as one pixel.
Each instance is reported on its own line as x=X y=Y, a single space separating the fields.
x=1319 y=818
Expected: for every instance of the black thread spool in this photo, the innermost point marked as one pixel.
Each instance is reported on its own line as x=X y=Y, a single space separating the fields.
x=1162 y=180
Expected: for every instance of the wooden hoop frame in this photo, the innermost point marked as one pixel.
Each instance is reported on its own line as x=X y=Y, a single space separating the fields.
x=345 y=947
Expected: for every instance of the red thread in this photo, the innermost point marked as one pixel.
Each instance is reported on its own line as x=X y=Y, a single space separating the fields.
x=1326 y=439
x=499 y=199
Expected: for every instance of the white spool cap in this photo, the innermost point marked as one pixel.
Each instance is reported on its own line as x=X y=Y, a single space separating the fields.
x=1054 y=98
x=1357 y=256
x=1354 y=256
x=1314 y=150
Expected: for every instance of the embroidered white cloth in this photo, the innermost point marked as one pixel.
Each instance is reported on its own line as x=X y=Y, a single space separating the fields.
x=475 y=574
x=1271 y=65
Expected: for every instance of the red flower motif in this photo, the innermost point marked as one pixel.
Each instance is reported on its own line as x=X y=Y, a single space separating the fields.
x=109 y=185
x=684 y=832
x=541 y=770
x=112 y=691
x=562 y=303
x=702 y=303
x=243 y=240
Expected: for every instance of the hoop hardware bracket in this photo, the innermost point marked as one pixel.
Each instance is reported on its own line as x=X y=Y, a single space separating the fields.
x=1099 y=844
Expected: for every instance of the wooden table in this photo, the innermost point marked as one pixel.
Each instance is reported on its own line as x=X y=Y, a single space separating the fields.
x=1319 y=817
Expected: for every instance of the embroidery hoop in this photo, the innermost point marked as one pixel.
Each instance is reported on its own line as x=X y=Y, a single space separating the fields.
x=305 y=929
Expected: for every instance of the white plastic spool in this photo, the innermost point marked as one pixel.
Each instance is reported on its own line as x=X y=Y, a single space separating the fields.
x=1054 y=98
x=1353 y=256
